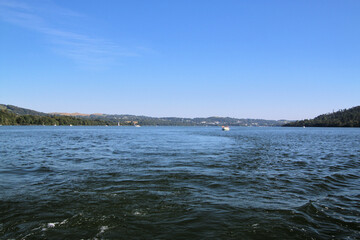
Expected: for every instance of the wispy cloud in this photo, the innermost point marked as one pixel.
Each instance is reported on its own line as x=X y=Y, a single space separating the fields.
x=85 y=50
x=13 y=4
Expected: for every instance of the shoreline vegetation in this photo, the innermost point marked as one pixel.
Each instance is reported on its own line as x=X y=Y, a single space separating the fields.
x=13 y=115
x=342 y=118
x=9 y=118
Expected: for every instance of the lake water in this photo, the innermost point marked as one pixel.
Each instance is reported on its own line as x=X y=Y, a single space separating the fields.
x=179 y=183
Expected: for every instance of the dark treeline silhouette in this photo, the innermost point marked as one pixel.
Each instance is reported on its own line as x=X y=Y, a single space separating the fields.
x=342 y=118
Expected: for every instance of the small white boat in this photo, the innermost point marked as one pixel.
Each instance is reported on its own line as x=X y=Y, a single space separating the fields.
x=225 y=128
x=136 y=125
x=70 y=125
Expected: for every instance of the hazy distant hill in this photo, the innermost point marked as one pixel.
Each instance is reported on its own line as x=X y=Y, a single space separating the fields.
x=343 y=118
x=176 y=121
x=76 y=114
x=16 y=115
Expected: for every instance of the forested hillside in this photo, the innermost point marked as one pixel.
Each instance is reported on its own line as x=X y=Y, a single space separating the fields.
x=21 y=111
x=343 y=118
x=9 y=118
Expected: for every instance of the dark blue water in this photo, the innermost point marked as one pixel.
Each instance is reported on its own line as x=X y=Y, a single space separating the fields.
x=179 y=183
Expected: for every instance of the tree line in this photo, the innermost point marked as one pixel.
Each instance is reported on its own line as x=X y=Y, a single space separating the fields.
x=342 y=118
x=9 y=118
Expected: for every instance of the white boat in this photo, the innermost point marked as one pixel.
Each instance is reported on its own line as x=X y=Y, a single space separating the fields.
x=136 y=125
x=225 y=128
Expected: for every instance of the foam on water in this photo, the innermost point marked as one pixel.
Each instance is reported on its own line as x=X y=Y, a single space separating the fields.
x=179 y=182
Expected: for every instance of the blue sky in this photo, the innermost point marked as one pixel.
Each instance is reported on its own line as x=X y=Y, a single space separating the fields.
x=246 y=59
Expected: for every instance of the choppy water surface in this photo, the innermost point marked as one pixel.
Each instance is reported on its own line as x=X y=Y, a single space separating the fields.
x=179 y=182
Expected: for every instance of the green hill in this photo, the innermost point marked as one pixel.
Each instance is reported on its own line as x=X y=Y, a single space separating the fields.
x=21 y=111
x=9 y=118
x=343 y=118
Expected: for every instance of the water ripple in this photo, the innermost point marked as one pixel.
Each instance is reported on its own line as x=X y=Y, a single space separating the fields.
x=179 y=182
